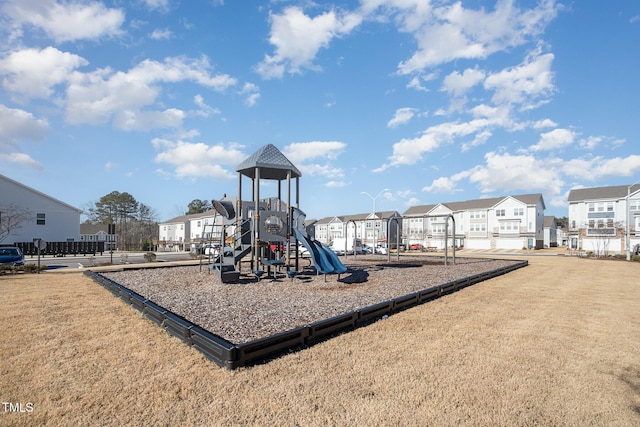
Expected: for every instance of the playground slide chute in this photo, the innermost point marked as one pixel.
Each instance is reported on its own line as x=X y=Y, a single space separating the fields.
x=324 y=259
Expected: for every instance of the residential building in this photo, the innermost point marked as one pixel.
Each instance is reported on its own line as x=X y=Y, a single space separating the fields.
x=550 y=232
x=100 y=233
x=45 y=217
x=600 y=217
x=372 y=229
x=174 y=234
x=510 y=222
x=187 y=232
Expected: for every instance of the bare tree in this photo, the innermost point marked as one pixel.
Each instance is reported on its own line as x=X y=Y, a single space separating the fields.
x=12 y=217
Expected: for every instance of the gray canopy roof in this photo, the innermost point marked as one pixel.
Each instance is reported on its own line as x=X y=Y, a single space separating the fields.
x=272 y=163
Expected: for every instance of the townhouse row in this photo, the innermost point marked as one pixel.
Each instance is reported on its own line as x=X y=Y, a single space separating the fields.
x=512 y=222
x=602 y=220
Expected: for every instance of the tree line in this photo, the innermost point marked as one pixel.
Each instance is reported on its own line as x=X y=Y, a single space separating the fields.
x=135 y=224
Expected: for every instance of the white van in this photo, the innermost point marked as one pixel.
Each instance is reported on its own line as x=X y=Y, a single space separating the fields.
x=339 y=244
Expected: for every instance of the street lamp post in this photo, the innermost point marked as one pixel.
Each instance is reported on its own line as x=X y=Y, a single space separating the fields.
x=373 y=212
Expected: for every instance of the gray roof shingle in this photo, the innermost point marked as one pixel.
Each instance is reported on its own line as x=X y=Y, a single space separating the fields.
x=601 y=193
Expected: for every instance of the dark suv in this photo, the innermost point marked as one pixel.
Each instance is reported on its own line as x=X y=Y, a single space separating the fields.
x=11 y=256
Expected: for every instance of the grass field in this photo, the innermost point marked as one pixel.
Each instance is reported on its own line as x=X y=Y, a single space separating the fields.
x=555 y=343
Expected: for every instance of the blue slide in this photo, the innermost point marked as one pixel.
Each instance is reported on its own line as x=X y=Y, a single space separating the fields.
x=324 y=259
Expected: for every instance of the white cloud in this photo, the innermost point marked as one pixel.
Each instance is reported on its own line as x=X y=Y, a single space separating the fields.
x=204 y=109
x=545 y=123
x=321 y=170
x=402 y=116
x=198 y=159
x=413 y=201
x=104 y=95
x=441 y=185
x=251 y=92
x=299 y=152
x=450 y=32
x=458 y=84
x=65 y=21
x=409 y=151
x=554 y=140
x=315 y=158
x=403 y=194
x=590 y=142
x=19 y=125
x=446 y=184
x=161 y=5
x=129 y=120
x=109 y=166
x=32 y=73
x=480 y=139
x=416 y=82
x=161 y=34
x=525 y=83
x=596 y=168
x=21 y=159
x=505 y=173
x=298 y=38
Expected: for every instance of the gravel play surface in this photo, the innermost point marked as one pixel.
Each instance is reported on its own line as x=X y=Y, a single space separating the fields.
x=254 y=309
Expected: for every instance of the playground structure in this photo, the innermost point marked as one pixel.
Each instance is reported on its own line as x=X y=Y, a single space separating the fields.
x=267 y=229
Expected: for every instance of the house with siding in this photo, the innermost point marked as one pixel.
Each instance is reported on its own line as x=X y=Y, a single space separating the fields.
x=510 y=222
x=47 y=218
x=550 y=232
x=173 y=235
x=600 y=216
x=187 y=232
x=370 y=228
x=99 y=233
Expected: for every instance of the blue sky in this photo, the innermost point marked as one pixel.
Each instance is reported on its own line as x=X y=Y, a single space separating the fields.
x=413 y=101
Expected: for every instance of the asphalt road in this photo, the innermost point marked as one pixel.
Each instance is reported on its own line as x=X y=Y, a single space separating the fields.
x=80 y=261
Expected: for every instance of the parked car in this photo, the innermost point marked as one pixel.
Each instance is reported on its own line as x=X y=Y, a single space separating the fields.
x=11 y=256
x=416 y=247
x=214 y=249
x=381 y=250
x=303 y=251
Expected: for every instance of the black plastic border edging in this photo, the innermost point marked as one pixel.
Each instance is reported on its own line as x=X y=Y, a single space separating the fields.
x=232 y=356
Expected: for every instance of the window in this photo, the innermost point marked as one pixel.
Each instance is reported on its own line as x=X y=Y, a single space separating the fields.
x=500 y=212
x=478 y=228
x=609 y=206
x=477 y=214
x=509 y=227
x=634 y=205
x=437 y=228
x=40 y=219
x=600 y=207
x=518 y=212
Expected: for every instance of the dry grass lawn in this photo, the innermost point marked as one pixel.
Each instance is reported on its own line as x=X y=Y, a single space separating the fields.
x=555 y=343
